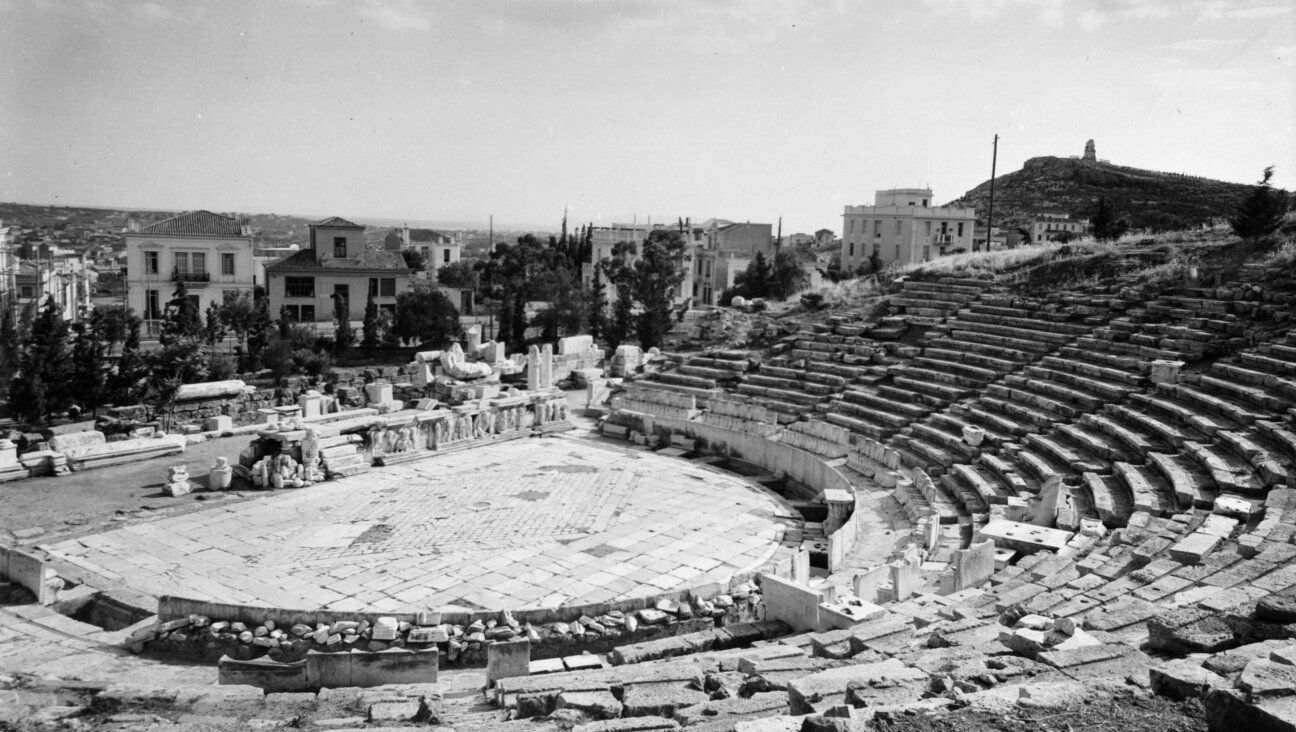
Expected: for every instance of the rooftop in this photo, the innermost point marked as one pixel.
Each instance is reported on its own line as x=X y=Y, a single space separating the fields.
x=336 y=222
x=368 y=259
x=198 y=223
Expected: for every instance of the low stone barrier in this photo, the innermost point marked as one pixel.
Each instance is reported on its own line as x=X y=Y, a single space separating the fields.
x=31 y=572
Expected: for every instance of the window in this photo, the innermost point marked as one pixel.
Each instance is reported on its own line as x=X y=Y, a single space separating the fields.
x=339 y=246
x=151 y=311
x=898 y=224
x=373 y=286
x=960 y=229
x=851 y=253
x=299 y=287
x=342 y=291
x=387 y=287
x=445 y=256
x=301 y=313
x=877 y=229
x=897 y=254
x=928 y=227
x=150 y=263
x=926 y=253
x=27 y=292
x=227 y=264
x=182 y=262
x=198 y=260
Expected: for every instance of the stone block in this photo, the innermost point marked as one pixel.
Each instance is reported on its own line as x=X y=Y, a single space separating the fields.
x=791 y=602
x=507 y=659
x=219 y=423
x=270 y=676
x=394 y=666
x=1184 y=678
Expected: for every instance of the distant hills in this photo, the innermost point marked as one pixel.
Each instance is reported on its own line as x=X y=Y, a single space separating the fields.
x=1148 y=199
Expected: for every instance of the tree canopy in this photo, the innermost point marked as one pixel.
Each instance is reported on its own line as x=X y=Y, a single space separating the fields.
x=1261 y=212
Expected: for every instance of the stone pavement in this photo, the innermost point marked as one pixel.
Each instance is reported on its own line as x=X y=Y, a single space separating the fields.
x=533 y=523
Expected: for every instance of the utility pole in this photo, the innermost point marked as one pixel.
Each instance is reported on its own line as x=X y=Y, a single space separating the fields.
x=990 y=215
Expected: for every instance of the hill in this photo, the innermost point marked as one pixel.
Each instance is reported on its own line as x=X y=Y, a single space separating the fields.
x=1148 y=199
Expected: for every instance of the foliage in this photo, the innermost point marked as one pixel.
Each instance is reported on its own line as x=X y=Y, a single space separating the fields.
x=343 y=334
x=127 y=383
x=221 y=366
x=425 y=315
x=414 y=259
x=371 y=324
x=1106 y=226
x=535 y=271
x=812 y=301
x=597 y=304
x=42 y=382
x=462 y=275
x=651 y=280
x=214 y=330
x=1261 y=212
x=285 y=323
x=9 y=345
x=182 y=317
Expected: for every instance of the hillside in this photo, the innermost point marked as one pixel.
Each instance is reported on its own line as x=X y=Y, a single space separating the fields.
x=1146 y=198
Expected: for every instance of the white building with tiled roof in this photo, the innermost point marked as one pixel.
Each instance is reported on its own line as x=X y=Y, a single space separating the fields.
x=211 y=253
x=335 y=263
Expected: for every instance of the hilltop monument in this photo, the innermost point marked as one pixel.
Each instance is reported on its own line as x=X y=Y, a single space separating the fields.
x=1091 y=153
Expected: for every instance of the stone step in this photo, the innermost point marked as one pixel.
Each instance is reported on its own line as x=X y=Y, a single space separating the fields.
x=1092 y=388
x=1075 y=460
x=878 y=402
x=918 y=400
x=944 y=288
x=969 y=373
x=967 y=497
x=1156 y=430
x=1131 y=440
x=1037 y=329
x=1111 y=501
x=884 y=418
x=1113 y=361
x=1271 y=397
x=923 y=304
x=956 y=424
x=774 y=382
x=1007 y=338
x=1281 y=435
x=679 y=379
x=993 y=422
x=1202 y=400
x=939 y=391
x=1005 y=400
x=1190 y=487
x=993 y=365
x=999 y=354
x=1270 y=466
x=701 y=395
x=988 y=487
x=1092 y=441
x=858 y=424
x=1044 y=395
x=782 y=395
x=1268 y=363
x=934 y=376
x=1006 y=473
x=1151 y=492
x=726 y=364
x=708 y=374
x=929 y=452
x=1227 y=472
x=949 y=442
x=1143 y=353
x=1189 y=417
x=1097 y=372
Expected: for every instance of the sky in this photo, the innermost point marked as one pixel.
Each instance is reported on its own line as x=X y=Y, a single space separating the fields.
x=615 y=110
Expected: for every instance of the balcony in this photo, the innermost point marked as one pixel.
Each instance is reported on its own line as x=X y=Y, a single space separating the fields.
x=190 y=277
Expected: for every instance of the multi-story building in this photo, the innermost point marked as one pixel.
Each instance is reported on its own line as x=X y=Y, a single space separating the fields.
x=210 y=253
x=717 y=250
x=437 y=247
x=903 y=226
x=1056 y=226
x=335 y=263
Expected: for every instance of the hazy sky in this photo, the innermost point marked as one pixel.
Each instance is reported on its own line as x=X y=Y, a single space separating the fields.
x=739 y=109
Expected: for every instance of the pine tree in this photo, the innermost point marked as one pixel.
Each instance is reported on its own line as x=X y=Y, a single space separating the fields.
x=214 y=330
x=285 y=323
x=371 y=324
x=1106 y=227
x=758 y=281
x=1261 y=212
x=88 y=376
x=45 y=368
x=131 y=368
x=344 y=334
x=597 y=305
x=184 y=320
x=9 y=346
